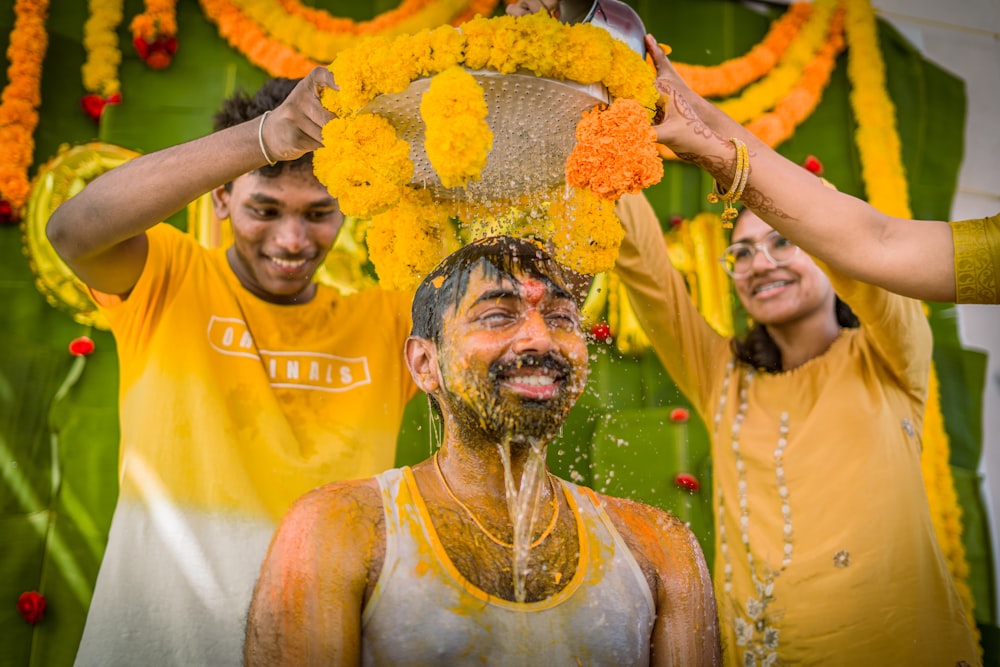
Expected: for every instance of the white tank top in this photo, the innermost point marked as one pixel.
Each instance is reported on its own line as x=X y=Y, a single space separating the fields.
x=424 y=612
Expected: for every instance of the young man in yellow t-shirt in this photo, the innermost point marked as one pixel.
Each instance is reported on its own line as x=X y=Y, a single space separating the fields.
x=243 y=383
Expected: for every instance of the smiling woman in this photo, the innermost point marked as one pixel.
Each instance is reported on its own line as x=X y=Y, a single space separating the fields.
x=791 y=447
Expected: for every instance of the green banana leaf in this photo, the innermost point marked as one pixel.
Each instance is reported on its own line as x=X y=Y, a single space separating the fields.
x=58 y=413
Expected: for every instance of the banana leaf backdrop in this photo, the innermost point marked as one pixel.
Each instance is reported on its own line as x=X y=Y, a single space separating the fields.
x=58 y=413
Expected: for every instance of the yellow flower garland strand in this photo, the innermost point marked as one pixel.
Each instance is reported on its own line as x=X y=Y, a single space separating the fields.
x=411 y=15
x=781 y=122
x=885 y=181
x=458 y=138
x=287 y=44
x=763 y=95
x=21 y=97
x=321 y=46
x=731 y=76
x=790 y=111
x=589 y=232
x=100 y=41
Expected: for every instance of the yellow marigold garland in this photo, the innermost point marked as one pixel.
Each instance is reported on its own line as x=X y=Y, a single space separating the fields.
x=587 y=233
x=582 y=228
x=457 y=137
x=733 y=75
x=885 y=182
x=287 y=39
x=779 y=124
x=19 y=102
x=100 y=41
x=764 y=94
x=408 y=241
x=364 y=163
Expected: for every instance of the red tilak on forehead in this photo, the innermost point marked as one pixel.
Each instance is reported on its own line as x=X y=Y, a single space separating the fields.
x=533 y=290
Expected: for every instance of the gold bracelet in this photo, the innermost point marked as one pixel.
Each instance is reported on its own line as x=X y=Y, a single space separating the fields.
x=735 y=191
x=260 y=139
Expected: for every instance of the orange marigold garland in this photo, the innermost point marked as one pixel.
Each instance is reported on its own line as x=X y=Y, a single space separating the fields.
x=733 y=75
x=154 y=33
x=19 y=104
x=615 y=151
x=779 y=124
x=285 y=38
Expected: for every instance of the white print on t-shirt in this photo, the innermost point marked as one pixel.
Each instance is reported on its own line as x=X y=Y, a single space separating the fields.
x=297 y=369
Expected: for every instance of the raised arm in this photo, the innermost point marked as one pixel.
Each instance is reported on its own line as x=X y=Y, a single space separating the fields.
x=910 y=257
x=322 y=562
x=100 y=232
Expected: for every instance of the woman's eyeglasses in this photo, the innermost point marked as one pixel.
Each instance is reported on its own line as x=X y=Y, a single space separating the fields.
x=737 y=260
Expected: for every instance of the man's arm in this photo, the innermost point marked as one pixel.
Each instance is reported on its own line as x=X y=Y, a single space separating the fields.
x=100 y=232
x=686 y=630
x=323 y=561
x=910 y=257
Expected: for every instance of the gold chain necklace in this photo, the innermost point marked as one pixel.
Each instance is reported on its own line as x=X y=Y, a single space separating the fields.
x=493 y=538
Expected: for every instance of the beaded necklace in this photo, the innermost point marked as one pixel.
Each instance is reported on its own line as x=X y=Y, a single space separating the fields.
x=753 y=628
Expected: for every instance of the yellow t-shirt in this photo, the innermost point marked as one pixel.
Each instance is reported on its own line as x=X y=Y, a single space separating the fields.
x=977 y=260
x=866 y=583
x=230 y=408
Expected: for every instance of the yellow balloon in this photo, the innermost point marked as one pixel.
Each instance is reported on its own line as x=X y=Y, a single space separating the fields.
x=56 y=181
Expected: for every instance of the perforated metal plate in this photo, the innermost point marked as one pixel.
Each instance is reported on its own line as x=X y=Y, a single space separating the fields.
x=533 y=121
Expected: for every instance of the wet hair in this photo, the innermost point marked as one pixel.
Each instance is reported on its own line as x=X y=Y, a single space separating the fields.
x=757 y=349
x=241 y=107
x=500 y=257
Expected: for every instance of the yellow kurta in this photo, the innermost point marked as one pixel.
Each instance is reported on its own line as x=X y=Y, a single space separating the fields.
x=865 y=582
x=977 y=260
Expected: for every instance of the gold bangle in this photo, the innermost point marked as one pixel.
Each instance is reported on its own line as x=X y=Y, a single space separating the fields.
x=260 y=139
x=735 y=191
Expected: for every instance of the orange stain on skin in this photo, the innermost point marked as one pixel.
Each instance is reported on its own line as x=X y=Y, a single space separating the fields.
x=533 y=290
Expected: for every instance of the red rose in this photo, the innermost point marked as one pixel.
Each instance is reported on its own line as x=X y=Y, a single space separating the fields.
x=679 y=415
x=812 y=163
x=601 y=332
x=31 y=606
x=114 y=98
x=81 y=347
x=141 y=47
x=687 y=481
x=7 y=214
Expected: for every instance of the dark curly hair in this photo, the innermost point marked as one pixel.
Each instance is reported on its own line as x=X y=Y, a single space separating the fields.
x=241 y=107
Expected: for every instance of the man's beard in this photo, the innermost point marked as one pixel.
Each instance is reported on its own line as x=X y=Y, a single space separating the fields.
x=489 y=412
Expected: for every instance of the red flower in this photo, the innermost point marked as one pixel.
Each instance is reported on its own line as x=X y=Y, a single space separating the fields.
x=601 y=332
x=31 y=606
x=676 y=221
x=812 y=163
x=93 y=104
x=81 y=346
x=8 y=216
x=679 y=415
x=687 y=481
x=157 y=53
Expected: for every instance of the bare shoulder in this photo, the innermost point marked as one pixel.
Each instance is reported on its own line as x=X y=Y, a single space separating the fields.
x=346 y=515
x=657 y=538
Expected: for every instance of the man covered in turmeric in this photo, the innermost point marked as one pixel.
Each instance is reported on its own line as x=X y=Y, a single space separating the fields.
x=478 y=555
